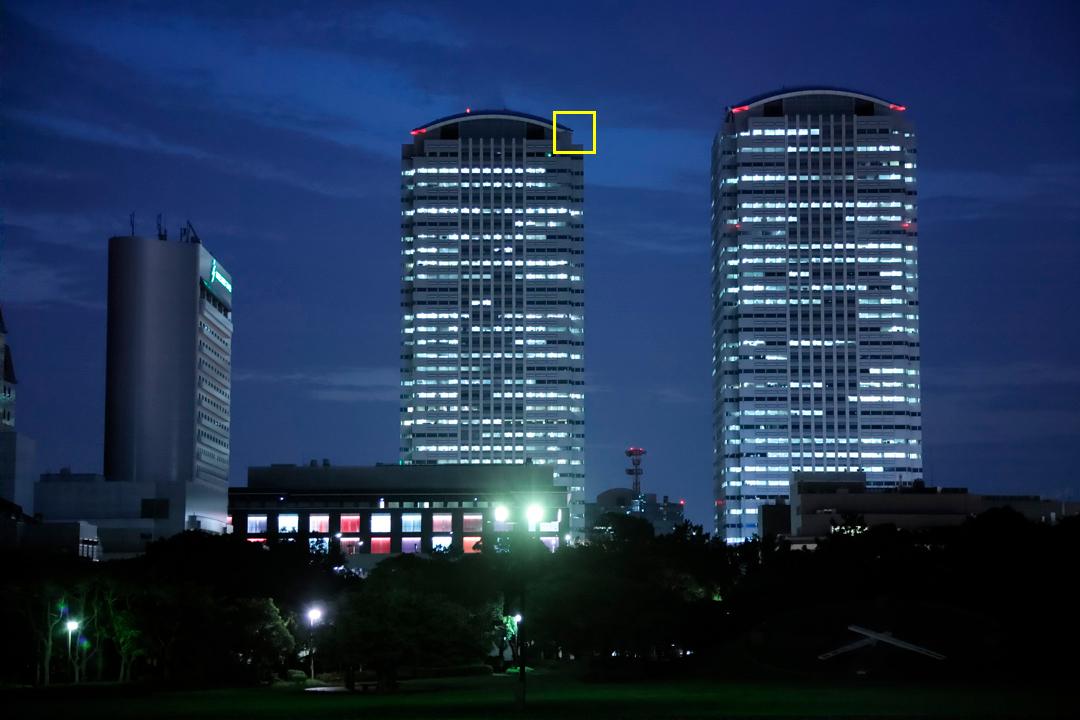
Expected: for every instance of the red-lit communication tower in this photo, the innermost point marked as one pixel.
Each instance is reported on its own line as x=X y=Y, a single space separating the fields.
x=635 y=454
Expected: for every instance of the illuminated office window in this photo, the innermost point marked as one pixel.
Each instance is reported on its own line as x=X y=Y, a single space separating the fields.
x=350 y=545
x=380 y=523
x=319 y=524
x=350 y=523
x=473 y=523
x=288 y=523
x=256 y=524
x=380 y=546
x=442 y=522
x=410 y=522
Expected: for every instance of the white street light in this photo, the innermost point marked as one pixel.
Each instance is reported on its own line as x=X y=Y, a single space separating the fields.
x=72 y=626
x=313 y=615
x=535 y=513
x=501 y=514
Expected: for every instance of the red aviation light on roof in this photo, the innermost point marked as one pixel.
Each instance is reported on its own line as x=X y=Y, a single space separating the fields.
x=417 y=132
x=468 y=110
x=740 y=109
x=682 y=502
x=897 y=107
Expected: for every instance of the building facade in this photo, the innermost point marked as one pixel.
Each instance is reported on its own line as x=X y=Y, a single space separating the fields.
x=370 y=513
x=824 y=503
x=492 y=327
x=167 y=400
x=815 y=298
x=17 y=451
x=664 y=516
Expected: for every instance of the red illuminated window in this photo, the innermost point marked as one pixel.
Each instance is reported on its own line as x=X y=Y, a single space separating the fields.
x=442 y=522
x=350 y=523
x=470 y=543
x=380 y=546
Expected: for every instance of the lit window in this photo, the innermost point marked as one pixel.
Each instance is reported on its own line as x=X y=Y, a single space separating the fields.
x=410 y=545
x=551 y=542
x=410 y=522
x=288 y=523
x=442 y=522
x=380 y=546
x=256 y=524
x=350 y=523
x=379 y=524
x=350 y=546
x=470 y=544
x=319 y=524
x=256 y=540
x=473 y=523
x=319 y=545
x=441 y=542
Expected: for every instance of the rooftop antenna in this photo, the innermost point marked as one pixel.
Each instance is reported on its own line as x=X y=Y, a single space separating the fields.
x=635 y=454
x=191 y=234
x=132 y=219
x=162 y=233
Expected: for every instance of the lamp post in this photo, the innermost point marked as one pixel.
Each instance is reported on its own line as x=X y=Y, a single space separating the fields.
x=313 y=615
x=72 y=626
x=521 y=660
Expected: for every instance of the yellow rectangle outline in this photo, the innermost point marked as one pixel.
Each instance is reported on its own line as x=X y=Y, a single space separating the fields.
x=555 y=132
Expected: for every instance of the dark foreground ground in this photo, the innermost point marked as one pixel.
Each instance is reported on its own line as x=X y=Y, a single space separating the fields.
x=549 y=696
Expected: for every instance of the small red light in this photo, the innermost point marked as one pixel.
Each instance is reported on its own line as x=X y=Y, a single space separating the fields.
x=682 y=502
x=468 y=110
x=907 y=224
x=897 y=107
x=740 y=109
x=417 y=132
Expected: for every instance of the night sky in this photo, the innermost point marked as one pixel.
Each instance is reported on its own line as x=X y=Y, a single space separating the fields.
x=277 y=132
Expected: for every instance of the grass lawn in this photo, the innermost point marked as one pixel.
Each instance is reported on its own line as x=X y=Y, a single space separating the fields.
x=550 y=696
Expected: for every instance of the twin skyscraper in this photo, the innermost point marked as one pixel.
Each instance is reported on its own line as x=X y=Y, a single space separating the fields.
x=814 y=287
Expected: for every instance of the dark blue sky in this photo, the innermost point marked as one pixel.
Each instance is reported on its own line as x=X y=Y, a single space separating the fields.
x=277 y=132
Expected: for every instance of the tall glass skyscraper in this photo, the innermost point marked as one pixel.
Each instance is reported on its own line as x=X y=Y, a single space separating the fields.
x=492 y=320
x=815 y=291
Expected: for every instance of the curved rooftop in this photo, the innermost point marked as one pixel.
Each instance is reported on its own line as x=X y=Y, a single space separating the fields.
x=812 y=90
x=502 y=114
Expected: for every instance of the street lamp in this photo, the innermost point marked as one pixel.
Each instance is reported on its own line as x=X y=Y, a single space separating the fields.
x=501 y=514
x=72 y=626
x=313 y=615
x=521 y=659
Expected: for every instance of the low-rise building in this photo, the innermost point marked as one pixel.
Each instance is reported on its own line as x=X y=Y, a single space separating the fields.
x=664 y=515
x=822 y=502
x=369 y=513
x=19 y=530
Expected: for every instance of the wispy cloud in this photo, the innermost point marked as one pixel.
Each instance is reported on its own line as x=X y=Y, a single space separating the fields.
x=1007 y=404
x=674 y=395
x=36 y=273
x=348 y=385
x=988 y=377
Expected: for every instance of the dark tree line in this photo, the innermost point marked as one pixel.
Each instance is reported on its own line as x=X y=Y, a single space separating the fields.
x=994 y=595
